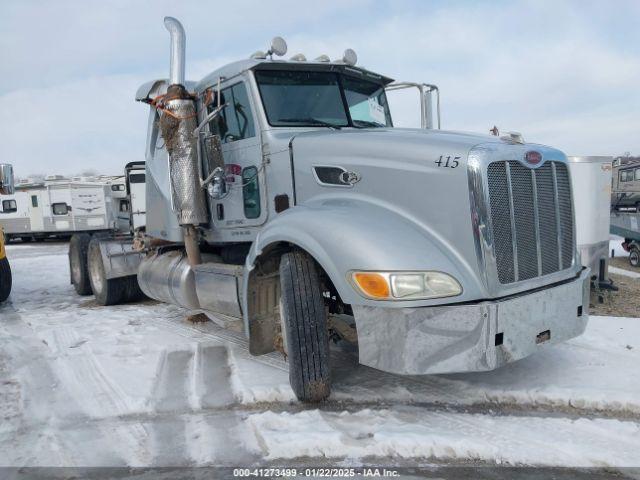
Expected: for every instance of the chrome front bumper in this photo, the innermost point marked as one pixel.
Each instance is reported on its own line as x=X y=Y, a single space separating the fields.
x=471 y=337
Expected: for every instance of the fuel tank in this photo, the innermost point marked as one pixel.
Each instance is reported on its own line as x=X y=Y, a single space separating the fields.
x=167 y=277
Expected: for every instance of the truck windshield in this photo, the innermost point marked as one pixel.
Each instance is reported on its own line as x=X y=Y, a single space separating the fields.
x=302 y=98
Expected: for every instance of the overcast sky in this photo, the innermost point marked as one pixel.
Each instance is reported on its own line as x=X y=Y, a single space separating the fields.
x=563 y=73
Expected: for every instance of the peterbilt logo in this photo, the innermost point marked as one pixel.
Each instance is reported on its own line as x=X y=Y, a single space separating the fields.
x=349 y=178
x=532 y=157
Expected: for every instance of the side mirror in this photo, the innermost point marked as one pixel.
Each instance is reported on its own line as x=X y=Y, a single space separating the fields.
x=6 y=179
x=215 y=183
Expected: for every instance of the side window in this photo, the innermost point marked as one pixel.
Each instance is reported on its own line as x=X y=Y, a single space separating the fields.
x=251 y=192
x=124 y=206
x=623 y=175
x=637 y=177
x=60 y=208
x=137 y=178
x=34 y=201
x=242 y=109
x=9 y=206
x=235 y=121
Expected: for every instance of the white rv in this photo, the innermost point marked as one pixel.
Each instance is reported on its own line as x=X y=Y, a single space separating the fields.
x=56 y=207
x=60 y=207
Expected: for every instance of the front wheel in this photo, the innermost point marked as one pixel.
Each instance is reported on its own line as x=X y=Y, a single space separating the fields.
x=5 y=279
x=634 y=257
x=304 y=321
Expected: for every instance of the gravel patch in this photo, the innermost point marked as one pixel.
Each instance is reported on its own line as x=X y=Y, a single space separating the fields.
x=623 y=303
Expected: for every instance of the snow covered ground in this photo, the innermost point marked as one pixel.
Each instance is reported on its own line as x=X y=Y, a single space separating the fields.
x=139 y=385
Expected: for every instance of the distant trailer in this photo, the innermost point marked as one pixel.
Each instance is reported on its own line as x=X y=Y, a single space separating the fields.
x=627 y=225
x=56 y=207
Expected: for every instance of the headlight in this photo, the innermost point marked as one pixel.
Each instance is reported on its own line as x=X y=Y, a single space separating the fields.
x=406 y=285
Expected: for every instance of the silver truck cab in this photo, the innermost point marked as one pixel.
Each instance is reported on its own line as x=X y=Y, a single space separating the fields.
x=435 y=251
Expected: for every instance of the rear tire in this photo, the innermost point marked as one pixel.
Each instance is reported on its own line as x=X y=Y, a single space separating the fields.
x=5 y=279
x=107 y=291
x=78 y=269
x=132 y=289
x=304 y=320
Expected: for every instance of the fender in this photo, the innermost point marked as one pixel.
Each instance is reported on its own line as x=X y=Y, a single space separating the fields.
x=354 y=233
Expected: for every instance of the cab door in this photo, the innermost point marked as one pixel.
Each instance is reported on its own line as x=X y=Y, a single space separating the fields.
x=245 y=200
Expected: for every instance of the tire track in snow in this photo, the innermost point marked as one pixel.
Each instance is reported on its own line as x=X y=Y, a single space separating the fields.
x=82 y=374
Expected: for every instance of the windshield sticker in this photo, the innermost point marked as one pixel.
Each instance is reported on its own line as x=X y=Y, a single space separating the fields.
x=376 y=111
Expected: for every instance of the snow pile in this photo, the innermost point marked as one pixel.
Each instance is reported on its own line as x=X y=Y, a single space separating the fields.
x=416 y=434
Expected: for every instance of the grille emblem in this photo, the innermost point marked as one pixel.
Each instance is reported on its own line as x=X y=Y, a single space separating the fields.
x=533 y=158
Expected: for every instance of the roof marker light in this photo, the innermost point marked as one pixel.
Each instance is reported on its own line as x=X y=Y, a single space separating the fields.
x=259 y=55
x=298 y=58
x=322 y=58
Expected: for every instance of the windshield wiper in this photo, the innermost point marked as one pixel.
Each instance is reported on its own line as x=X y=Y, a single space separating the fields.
x=311 y=121
x=367 y=124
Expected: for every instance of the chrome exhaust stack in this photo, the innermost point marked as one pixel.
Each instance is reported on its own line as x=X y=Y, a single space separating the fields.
x=178 y=48
x=177 y=124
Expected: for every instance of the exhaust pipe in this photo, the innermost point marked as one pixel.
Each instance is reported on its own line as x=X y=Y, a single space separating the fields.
x=177 y=124
x=178 y=46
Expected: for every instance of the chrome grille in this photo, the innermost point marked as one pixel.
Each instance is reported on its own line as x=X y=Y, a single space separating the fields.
x=532 y=219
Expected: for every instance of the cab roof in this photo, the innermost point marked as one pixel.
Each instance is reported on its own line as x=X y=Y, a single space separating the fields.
x=236 y=68
x=159 y=86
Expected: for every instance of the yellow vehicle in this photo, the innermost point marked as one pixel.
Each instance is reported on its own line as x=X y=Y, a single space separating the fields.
x=5 y=271
x=6 y=188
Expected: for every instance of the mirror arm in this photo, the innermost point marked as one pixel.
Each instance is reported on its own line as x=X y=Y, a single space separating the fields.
x=214 y=113
x=216 y=172
x=421 y=88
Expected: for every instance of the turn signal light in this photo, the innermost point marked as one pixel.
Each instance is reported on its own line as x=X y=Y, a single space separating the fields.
x=373 y=285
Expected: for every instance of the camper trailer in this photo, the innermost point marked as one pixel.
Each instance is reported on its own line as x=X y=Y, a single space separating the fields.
x=56 y=207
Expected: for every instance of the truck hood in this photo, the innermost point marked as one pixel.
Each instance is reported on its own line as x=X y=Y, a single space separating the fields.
x=418 y=176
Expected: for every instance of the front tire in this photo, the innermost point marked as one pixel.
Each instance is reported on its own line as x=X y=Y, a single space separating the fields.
x=304 y=319
x=5 y=279
x=107 y=291
x=79 y=271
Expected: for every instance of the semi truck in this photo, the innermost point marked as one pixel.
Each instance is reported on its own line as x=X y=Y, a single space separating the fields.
x=6 y=188
x=280 y=196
